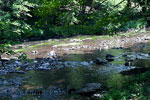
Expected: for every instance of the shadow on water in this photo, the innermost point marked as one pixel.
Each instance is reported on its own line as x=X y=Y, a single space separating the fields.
x=53 y=84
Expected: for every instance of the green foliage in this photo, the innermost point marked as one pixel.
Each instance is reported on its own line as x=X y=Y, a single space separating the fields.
x=22 y=19
x=116 y=81
x=133 y=24
x=63 y=18
x=70 y=31
x=133 y=88
x=13 y=19
x=23 y=57
x=4 y=48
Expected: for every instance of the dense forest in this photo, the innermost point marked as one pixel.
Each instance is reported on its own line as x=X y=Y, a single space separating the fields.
x=41 y=19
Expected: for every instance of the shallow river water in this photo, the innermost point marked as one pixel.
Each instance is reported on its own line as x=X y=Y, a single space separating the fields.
x=80 y=69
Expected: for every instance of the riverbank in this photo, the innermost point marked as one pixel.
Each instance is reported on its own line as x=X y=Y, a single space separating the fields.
x=79 y=44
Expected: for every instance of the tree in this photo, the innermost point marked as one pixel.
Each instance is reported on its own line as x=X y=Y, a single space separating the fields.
x=145 y=5
x=13 y=16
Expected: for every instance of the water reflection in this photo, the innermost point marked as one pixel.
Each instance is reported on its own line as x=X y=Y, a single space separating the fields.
x=75 y=77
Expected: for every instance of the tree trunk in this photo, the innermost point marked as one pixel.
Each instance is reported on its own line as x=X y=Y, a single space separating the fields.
x=145 y=11
x=128 y=3
x=93 y=4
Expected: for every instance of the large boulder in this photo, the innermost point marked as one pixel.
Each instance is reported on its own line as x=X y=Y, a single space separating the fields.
x=89 y=89
x=45 y=66
x=135 y=71
x=128 y=62
x=100 y=61
x=110 y=57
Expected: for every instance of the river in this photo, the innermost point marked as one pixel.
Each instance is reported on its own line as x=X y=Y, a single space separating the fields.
x=72 y=72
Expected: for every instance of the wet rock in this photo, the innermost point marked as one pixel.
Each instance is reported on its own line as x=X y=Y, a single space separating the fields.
x=8 y=91
x=71 y=90
x=117 y=48
x=124 y=55
x=8 y=70
x=45 y=66
x=134 y=56
x=142 y=55
x=70 y=63
x=4 y=60
x=18 y=63
x=16 y=81
x=18 y=72
x=100 y=61
x=91 y=62
x=110 y=68
x=84 y=63
x=26 y=64
x=10 y=87
x=29 y=68
x=128 y=62
x=110 y=57
x=135 y=71
x=13 y=64
x=3 y=72
x=89 y=89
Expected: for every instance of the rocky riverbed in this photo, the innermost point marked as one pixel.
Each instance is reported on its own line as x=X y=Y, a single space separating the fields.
x=77 y=45
x=59 y=70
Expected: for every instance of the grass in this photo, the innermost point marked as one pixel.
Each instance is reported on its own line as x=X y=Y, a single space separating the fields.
x=88 y=37
x=107 y=37
x=19 y=50
x=37 y=45
x=57 y=43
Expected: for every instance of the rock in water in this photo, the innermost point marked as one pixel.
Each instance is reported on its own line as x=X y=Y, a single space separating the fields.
x=100 y=61
x=135 y=71
x=110 y=57
x=3 y=60
x=18 y=72
x=128 y=62
x=45 y=66
x=89 y=89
